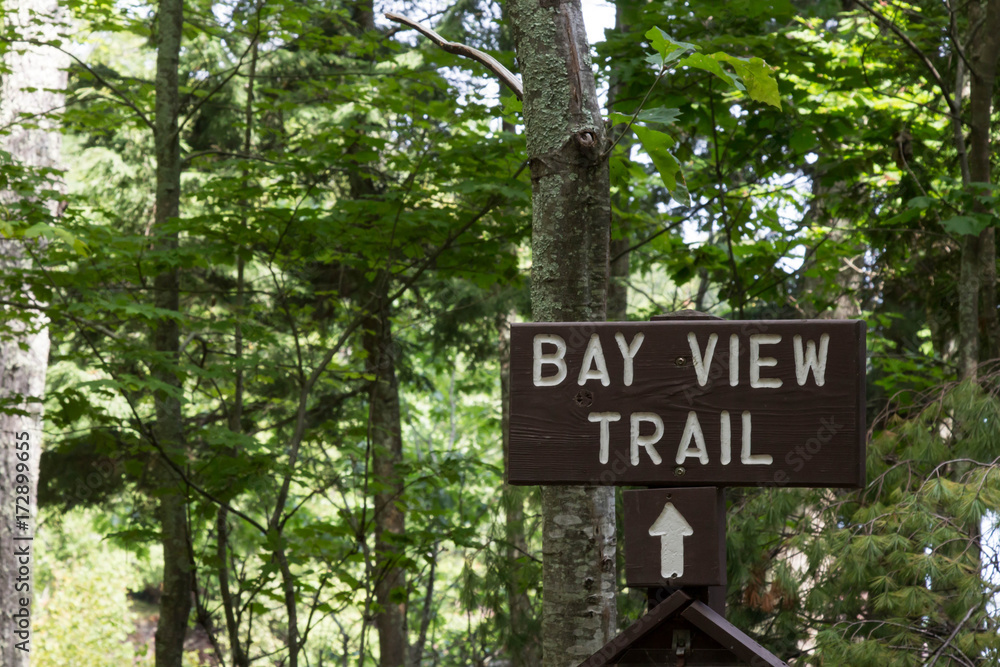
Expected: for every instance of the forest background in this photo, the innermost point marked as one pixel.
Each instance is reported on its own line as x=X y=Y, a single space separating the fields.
x=271 y=250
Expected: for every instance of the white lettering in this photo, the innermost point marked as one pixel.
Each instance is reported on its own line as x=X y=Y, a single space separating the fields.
x=745 y=456
x=702 y=363
x=594 y=356
x=555 y=359
x=734 y=360
x=725 y=438
x=628 y=353
x=692 y=429
x=604 y=418
x=803 y=362
x=646 y=441
x=757 y=362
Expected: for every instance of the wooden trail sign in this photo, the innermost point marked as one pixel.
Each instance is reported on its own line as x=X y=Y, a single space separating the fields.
x=688 y=403
x=675 y=537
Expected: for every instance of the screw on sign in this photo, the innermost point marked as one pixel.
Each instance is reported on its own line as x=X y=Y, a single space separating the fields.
x=777 y=403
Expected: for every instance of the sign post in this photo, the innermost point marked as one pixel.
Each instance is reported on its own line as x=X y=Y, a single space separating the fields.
x=694 y=404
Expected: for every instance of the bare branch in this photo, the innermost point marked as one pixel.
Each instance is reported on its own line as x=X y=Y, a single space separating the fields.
x=485 y=59
x=937 y=654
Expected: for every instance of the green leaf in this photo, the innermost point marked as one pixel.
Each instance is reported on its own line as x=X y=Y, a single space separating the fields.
x=802 y=140
x=36 y=230
x=753 y=75
x=757 y=76
x=663 y=115
x=657 y=146
x=667 y=49
x=710 y=64
x=658 y=115
x=967 y=224
x=921 y=203
x=78 y=246
x=618 y=118
x=511 y=105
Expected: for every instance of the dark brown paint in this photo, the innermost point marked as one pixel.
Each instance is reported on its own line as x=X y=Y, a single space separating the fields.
x=816 y=435
x=704 y=551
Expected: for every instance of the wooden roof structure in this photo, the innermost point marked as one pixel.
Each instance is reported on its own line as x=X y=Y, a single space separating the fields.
x=683 y=632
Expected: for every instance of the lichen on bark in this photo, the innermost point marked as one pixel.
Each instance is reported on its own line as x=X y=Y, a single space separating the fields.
x=571 y=223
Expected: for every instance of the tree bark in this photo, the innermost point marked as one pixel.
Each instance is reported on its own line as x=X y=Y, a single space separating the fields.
x=24 y=335
x=384 y=430
x=385 y=436
x=968 y=308
x=984 y=52
x=570 y=235
x=175 y=604
x=988 y=298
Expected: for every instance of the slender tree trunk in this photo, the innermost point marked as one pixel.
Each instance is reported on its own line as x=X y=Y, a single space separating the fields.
x=968 y=308
x=570 y=234
x=417 y=650
x=385 y=435
x=24 y=335
x=230 y=605
x=984 y=51
x=175 y=604
x=988 y=301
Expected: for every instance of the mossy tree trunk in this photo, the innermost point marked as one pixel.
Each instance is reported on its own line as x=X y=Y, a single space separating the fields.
x=570 y=235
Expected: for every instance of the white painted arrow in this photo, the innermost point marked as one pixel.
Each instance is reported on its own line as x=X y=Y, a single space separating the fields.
x=671 y=528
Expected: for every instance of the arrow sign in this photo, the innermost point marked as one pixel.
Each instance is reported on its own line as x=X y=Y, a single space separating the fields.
x=671 y=528
x=664 y=518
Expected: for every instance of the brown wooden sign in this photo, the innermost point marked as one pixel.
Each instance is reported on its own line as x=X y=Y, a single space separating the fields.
x=675 y=537
x=688 y=403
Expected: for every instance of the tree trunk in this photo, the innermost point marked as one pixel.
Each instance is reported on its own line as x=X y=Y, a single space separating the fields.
x=570 y=234
x=384 y=433
x=984 y=51
x=968 y=308
x=175 y=604
x=385 y=436
x=24 y=335
x=988 y=298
